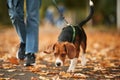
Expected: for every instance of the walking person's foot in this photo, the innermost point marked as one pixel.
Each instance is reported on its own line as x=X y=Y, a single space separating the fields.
x=30 y=59
x=21 y=52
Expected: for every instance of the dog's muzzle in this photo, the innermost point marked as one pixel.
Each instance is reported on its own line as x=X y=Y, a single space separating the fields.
x=58 y=62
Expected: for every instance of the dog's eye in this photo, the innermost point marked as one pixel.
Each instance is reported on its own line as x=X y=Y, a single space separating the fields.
x=55 y=54
x=62 y=55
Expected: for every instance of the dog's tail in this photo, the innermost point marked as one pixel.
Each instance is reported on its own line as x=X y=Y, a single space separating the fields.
x=90 y=14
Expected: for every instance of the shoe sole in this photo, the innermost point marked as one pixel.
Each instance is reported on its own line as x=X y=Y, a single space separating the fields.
x=33 y=64
x=18 y=57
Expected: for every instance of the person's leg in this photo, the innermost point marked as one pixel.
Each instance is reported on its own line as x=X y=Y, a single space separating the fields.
x=32 y=22
x=16 y=13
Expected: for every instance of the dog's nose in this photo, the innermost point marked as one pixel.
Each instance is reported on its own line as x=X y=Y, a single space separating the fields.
x=58 y=64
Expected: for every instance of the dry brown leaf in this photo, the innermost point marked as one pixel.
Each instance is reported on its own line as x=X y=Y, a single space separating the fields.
x=65 y=75
x=34 y=69
x=52 y=73
x=4 y=78
x=1 y=74
x=21 y=74
x=34 y=78
x=11 y=70
x=7 y=66
x=13 y=60
x=107 y=64
x=42 y=73
x=78 y=77
x=54 y=68
x=43 y=78
x=57 y=77
x=41 y=66
x=96 y=68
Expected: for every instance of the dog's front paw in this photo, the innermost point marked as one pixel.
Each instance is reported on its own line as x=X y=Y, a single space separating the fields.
x=83 y=63
x=83 y=60
x=71 y=70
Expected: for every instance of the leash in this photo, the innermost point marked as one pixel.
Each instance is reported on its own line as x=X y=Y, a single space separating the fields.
x=62 y=16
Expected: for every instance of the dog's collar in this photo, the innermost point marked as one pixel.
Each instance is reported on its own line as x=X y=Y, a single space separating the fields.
x=74 y=32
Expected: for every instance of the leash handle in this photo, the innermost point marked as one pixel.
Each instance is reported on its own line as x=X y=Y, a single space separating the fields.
x=61 y=14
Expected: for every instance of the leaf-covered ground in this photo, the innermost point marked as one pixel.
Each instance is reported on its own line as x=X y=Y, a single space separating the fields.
x=103 y=57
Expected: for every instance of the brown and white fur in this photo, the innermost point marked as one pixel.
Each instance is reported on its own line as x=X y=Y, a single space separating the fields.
x=67 y=46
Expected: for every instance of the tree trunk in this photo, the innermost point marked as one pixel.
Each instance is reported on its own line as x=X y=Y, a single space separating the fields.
x=118 y=14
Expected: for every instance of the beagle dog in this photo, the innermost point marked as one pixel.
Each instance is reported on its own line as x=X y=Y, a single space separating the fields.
x=69 y=42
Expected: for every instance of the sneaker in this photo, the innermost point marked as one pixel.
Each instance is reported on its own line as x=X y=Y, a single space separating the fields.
x=21 y=52
x=30 y=59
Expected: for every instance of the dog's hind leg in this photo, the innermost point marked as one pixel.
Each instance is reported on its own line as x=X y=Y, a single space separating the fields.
x=83 y=57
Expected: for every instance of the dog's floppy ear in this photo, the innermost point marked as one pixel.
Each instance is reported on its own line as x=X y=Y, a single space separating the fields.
x=70 y=49
x=50 y=49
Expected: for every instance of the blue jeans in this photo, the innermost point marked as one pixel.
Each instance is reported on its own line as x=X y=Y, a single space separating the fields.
x=27 y=28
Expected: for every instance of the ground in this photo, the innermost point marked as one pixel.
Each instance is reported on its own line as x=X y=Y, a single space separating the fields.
x=103 y=57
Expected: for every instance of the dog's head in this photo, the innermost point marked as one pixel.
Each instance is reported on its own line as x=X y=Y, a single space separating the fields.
x=61 y=50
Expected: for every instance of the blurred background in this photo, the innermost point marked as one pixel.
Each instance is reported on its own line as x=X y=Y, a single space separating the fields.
x=74 y=11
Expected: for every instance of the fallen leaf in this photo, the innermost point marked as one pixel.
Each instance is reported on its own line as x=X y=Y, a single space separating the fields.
x=42 y=73
x=65 y=75
x=1 y=74
x=34 y=68
x=7 y=66
x=13 y=60
x=107 y=64
x=21 y=74
x=34 y=78
x=43 y=78
x=79 y=76
x=52 y=73
x=11 y=70
x=56 y=77
x=2 y=79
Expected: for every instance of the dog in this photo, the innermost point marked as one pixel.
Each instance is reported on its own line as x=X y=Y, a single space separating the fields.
x=69 y=42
